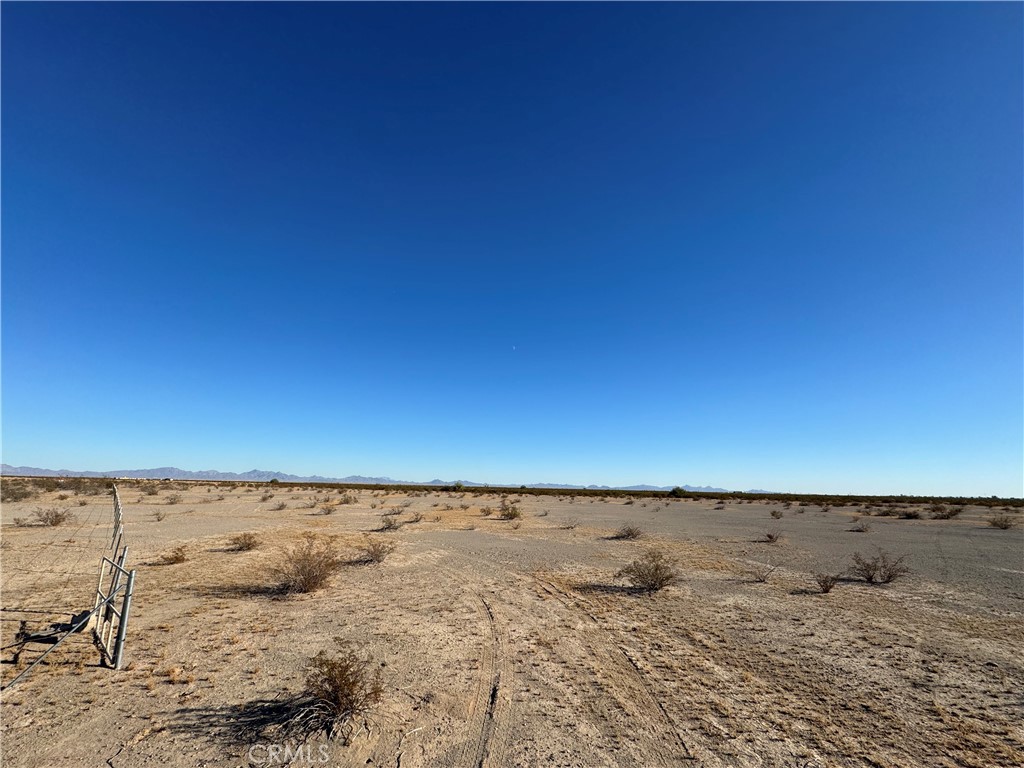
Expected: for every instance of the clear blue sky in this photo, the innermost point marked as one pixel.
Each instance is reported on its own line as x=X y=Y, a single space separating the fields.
x=771 y=246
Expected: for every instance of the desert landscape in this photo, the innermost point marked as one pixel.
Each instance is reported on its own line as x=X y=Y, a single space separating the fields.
x=502 y=631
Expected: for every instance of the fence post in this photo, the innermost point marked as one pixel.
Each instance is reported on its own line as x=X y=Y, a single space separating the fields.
x=122 y=625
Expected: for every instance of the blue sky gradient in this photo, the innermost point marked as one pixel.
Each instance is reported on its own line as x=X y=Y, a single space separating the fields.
x=772 y=246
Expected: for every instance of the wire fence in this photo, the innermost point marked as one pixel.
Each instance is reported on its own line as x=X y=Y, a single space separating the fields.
x=58 y=586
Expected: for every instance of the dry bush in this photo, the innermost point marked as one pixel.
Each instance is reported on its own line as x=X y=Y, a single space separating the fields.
x=1003 y=522
x=416 y=517
x=650 y=573
x=771 y=537
x=389 y=523
x=910 y=514
x=376 y=550
x=761 y=572
x=881 y=569
x=628 y=532
x=175 y=556
x=83 y=503
x=152 y=491
x=943 y=512
x=63 y=496
x=52 y=516
x=776 y=513
x=326 y=509
x=340 y=690
x=279 y=506
x=348 y=498
x=570 y=524
x=307 y=566
x=486 y=511
x=860 y=526
x=510 y=511
x=159 y=515
x=884 y=511
x=266 y=497
x=174 y=498
x=826 y=581
x=244 y=542
x=14 y=491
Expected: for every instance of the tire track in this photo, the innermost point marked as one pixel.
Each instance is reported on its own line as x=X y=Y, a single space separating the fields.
x=632 y=675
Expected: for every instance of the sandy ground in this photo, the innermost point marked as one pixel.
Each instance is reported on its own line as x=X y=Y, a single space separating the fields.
x=516 y=646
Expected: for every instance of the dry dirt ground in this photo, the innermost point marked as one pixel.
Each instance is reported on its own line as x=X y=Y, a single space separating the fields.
x=507 y=643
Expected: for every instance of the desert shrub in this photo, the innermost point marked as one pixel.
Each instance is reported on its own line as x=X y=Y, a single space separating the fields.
x=881 y=569
x=772 y=537
x=389 y=523
x=542 y=513
x=266 y=497
x=175 y=556
x=884 y=511
x=776 y=513
x=486 y=511
x=651 y=573
x=826 y=581
x=63 y=496
x=174 y=498
x=244 y=542
x=675 y=493
x=464 y=507
x=348 y=498
x=761 y=572
x=307 y=566
x=860 y=526
x=628 y=532
x=279 y=506
x=943 y=512
x=159 y=515
x=825 y=508
x=152 y=491
x=510 y=511
x=910 y=514
x=1003 y=522
x=12 y=491
x=326 y=509
x=375 y=550
x=52 y=516
x=392 y=512
x=416 y=517
x=570 y=524
x=340 y=690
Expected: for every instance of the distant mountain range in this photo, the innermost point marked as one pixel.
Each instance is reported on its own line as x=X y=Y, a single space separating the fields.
x=261 y=476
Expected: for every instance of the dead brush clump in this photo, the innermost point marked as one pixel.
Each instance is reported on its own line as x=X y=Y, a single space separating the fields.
x=175 y=556
x=307 y=566
x=776 y=514
x=341 y=689
x=52 y=516
x=1003 y=522
x=883 y=568
x=826 y=581
x=509 y=510
x=943 y=512
x=375 y=550
x=348 y=498
x=628 y=532
x=860 y=526
x=771 y=537
x=389 y=523
x=243 y=542
x=650 y=573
